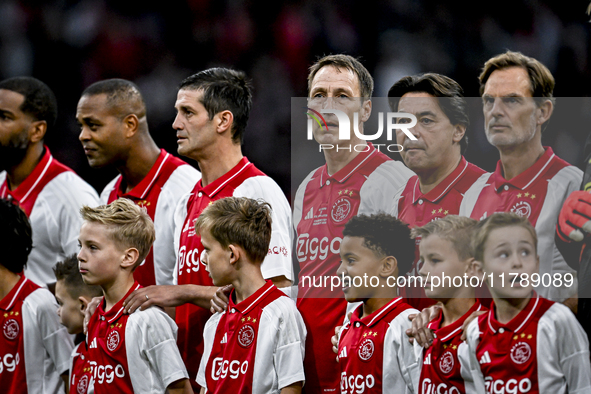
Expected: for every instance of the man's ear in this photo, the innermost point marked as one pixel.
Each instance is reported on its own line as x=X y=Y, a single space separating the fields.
x=365 y=110
x=459 y=132
x=130 y=257
x=37 y=131
x=389 y=267
x=235 y=253
x=544 y=112
x=224 y=121
x=131 y=124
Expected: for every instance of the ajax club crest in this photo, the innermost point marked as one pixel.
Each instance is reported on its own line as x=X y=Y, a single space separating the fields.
x=246 y=335
x=82 y=385
x=113 y=340
x=522 y=208
x=520 y=352
x=340 y=209
x=446 y=363
x=366 y=349
x=11 y=329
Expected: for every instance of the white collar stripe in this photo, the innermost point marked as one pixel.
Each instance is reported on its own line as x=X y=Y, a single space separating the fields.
x=258 y=298
x=386 y=309
x=452 y=182
x=16 y=294
x=155 y=175
x=539 y=172
x=529 y=315
x=358 y=165
x=38 y=179
x=229 y=179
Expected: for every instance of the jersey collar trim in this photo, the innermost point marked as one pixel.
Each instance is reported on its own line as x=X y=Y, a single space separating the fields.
x=448 y=332
x=9 y=299
x=527 y=177
x=24 y=190
x=214 y=187
x=142 y=188
x=117 y=310
x=344 y=173
x=246 y=305
x=375 y=317
x=519 y=321
x=443 y=187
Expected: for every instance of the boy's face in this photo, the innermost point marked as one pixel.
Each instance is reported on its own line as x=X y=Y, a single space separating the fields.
x=216 y=259
x=358 y=260
x=70 y=309
x=509 y=251
x=439 y=257
x=100 y=256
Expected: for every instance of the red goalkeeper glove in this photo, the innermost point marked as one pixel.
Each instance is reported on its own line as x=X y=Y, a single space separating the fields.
x=575 y=217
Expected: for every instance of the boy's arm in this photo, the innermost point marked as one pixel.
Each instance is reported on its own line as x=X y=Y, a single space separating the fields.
x=202 y=391
x=169 y=296
x=288 y=358
x=295 y=388
x=182 y=386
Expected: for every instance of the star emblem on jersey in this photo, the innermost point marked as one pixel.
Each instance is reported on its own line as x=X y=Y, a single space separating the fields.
x=522 y=208
x=446 y=363
x=340 y=209
x=366 y=349
x=246 y=335
x=11 y=329
x=520 y=352
x=113 y=340
x=82 y=385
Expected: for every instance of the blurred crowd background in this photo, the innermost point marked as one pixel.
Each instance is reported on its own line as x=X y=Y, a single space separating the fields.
x=70 y=44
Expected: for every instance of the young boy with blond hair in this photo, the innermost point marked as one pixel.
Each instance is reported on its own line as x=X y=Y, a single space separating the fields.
x=374 y=353
x=446 y=252
x=256 y=345
x=525 y=343
x=127 y=353
x=73 y=296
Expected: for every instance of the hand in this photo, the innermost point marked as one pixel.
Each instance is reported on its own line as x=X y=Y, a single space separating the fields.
x=575 y=216
x=467 y=322
x=220 y=300
x=335 y=338
x=419 y=331
x=163 y=296
x=89 y=311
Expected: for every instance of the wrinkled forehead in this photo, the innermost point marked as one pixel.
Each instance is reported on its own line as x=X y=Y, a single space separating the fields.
x=331 y=78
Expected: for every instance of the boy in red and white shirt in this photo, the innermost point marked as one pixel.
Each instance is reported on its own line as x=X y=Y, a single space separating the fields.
x=73 y=295
x=525 y=343
x=257 y=345
x=446 y=252
x=34 y=348
x=130 y=353
x=374 y=353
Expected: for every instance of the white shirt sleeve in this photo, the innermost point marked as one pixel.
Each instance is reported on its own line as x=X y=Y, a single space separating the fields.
x=208 y=338
x=153 y=358
x=180 y=214
x=401 y=358
x=472 y=194
x=471 y=363
x=562 y=353
x=383 y=183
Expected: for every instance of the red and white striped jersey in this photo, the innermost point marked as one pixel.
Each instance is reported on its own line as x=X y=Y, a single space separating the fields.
x=134 y=353
x=80 y=370
x=159 y=192
x=51 y=196
x=256 y=346
x=538 y=194
x=323 y=204
x=375 y=355
x=446 y=363
x=34 y=347
x=541 y=350
x=417 y=209
x=244 y=180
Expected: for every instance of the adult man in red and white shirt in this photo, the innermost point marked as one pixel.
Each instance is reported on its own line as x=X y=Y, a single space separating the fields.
x=521 y=356
x=114 y=132
x=530 y=179
x=443 y=175
x=34 y=347
x=353 y=180
x=213 y=108
x=50 y=193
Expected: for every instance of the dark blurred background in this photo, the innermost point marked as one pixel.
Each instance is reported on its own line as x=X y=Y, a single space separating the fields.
x=70 y=44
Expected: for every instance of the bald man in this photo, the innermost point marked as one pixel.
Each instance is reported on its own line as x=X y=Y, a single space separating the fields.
x=114 y=132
